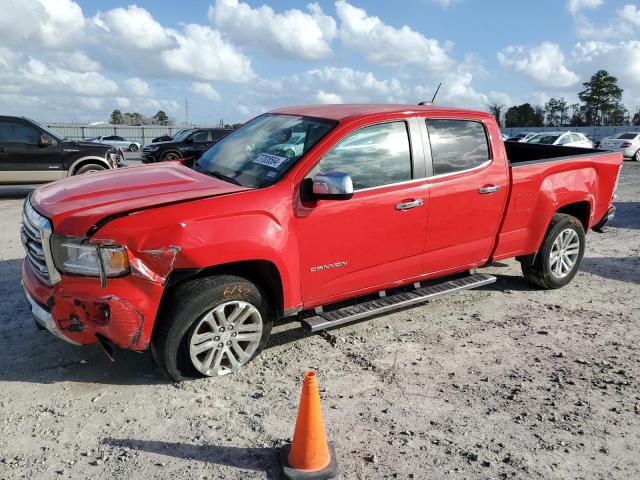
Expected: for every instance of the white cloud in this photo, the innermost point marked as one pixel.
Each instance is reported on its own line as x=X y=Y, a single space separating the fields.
x=328 y=97
x=544 y=63
x=631 y=14
x=203 y=54
x=138 y=87
x=133 y=27
x=576 y=7
x=383 y=44
x=205 y=90
x=76 y=61
x=445 y=3
x=293 y=33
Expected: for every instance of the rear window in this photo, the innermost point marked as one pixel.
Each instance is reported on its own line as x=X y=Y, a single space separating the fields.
x=457 y=145
x=628 y=136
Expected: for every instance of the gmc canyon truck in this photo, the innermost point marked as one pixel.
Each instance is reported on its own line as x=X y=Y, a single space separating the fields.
x=33 y=153
x=384 y=207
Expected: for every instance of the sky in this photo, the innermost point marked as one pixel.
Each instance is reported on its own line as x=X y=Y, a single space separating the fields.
x=65 y=60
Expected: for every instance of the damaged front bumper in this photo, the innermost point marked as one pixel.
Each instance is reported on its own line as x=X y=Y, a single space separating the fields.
x=79 y=309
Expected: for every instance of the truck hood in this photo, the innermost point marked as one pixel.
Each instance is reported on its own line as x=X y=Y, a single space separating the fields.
x=76 y=204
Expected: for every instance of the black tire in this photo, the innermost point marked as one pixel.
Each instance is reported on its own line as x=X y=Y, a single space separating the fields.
x=89 y=168
x=636 y=157
x=540 y=273
x=170 y=156
x=185 y=308
x=133 y=147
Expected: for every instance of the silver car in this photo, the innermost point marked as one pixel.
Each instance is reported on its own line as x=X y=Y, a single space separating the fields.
x=116 y=141
x=627 y=143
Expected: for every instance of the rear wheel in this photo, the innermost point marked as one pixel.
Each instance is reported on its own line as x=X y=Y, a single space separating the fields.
x=133 y=147
x=211 y=327
x=89 y=168
x=636 y=157
x=560 y=256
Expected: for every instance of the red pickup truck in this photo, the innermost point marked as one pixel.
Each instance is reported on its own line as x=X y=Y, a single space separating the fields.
x=329 y=213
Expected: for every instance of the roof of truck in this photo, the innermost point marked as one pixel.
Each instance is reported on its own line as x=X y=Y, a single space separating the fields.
x=343 y=111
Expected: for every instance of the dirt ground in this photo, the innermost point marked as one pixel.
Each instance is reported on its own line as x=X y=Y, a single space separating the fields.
x=502 y=382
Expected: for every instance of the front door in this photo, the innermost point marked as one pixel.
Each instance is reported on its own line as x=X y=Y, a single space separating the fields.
x=468 y=195
x=375 y=237
x=23 y=159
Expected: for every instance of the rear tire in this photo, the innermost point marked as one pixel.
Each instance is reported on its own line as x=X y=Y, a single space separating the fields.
x=636 y=157
x=89 y=168
x=133 y=147
x=197 y=334
x=560 y=256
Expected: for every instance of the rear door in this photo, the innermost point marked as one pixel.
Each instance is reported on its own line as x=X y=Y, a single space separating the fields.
x=22 y=158
x=377 y=236
x=468 y=190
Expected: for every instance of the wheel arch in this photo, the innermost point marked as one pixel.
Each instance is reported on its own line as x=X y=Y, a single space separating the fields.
x=581 y=210
x=79 y=163
x=171 y=150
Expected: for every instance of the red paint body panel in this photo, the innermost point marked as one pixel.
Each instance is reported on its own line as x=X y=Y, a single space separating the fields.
x=170 y=217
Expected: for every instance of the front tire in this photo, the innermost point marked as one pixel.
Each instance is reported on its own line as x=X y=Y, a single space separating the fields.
x=211 y=327
x=636 y=157
x=560 y=256
x=89 y=168
x=171 y=156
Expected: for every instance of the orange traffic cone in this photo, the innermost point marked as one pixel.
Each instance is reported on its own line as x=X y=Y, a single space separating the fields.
x=310 y=456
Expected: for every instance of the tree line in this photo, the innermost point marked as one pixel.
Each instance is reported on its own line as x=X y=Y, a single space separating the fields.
x=600 y=104
x=135 y=118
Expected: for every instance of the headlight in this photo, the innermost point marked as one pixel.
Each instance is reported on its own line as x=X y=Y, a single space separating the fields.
x=152 y=148
x=75 y=256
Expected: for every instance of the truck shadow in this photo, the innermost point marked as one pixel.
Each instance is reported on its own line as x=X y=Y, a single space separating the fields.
x=16 y=191
x=255 y=459
x=627 y=215
x=624 y=269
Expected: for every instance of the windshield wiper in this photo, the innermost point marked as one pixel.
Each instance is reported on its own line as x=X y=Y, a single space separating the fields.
x=216 y=174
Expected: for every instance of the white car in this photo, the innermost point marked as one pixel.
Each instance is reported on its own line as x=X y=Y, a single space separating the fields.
x=567 y=139
x=292 y=148
x=116 y=141
x=522 y=136
x=627 y=143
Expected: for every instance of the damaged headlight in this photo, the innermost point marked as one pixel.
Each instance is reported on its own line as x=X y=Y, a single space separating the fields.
x=77 y=257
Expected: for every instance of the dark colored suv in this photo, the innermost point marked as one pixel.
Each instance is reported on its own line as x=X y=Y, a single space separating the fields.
x=32 y=153
x=185 y=144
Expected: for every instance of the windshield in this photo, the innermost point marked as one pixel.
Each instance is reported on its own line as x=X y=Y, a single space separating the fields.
x=543 y=138
x=627 y=136
x=181 y=135
x=51 y=133
x=260 y=152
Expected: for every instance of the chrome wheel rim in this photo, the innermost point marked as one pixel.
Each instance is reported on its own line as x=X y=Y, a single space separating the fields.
x=564 y=253
x=225 y=338
x=172 y=156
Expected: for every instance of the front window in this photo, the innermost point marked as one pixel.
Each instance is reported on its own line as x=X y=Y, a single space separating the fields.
x=259 y=153
x=181 y=135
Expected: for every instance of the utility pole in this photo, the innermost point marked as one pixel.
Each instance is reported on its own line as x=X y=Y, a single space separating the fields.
x=186 y=109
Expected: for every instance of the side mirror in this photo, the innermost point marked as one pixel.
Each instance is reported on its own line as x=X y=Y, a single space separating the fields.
x=45 y=141
x=332 y=186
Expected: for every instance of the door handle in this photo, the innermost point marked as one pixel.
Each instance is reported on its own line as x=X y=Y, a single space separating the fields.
x=489 y=189
x=402 y=206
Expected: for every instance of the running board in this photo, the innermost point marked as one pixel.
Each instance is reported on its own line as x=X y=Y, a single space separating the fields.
x=383 y=304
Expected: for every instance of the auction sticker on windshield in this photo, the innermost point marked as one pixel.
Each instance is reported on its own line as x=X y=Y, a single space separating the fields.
x=268 y=160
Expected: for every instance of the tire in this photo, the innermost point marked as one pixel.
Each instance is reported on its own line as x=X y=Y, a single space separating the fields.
x=190 y=317
x=89 y=168
x=133 y=147
x=636 y=157
x=549 y=273
x=290 y=153
x=170 y=156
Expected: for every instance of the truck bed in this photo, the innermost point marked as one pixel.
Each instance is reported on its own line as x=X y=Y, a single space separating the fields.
x=520 y=153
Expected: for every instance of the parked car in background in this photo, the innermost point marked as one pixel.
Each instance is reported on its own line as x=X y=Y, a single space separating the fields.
x=167 y=137
x=197 y=260
x=522 y=136
x=32 y=153
x=292 y=148
x=504 y=137
x=567 y=139
x=116 y=141
x=188 y=144
x=627 y=143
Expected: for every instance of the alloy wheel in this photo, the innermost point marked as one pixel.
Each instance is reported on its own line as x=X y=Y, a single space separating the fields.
x=564 y=253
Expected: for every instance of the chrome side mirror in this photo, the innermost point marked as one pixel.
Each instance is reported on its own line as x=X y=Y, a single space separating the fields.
x=332 y=186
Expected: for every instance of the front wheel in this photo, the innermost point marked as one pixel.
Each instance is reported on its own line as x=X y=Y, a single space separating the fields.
x=560 y=256
x=133 y=147
x=636 y=157
x=211 y=327
x=89 y=168
x=171 y=156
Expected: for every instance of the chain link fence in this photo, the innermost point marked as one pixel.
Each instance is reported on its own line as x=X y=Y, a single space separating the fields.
x=596 y=133
x=143 y=133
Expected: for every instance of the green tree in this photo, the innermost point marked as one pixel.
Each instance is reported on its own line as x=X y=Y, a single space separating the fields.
x=134 y=118
x=636 y=118
x=116 y=118
x=601 y=96
x=556 y=112
x=496 y=111
x=521 y=116
x=161 y=118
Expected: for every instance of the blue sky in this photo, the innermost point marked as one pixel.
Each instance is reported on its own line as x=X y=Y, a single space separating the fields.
x=66 y=60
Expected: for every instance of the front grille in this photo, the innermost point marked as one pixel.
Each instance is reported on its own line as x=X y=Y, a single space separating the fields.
x=35 y=234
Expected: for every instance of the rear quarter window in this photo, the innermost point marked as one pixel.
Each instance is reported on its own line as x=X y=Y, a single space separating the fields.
x=457 y=145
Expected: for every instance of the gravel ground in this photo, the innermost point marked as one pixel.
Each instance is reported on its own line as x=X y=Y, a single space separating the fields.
x=502 y=382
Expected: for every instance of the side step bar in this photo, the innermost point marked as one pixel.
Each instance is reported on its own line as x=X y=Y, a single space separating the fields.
x=393 y=302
